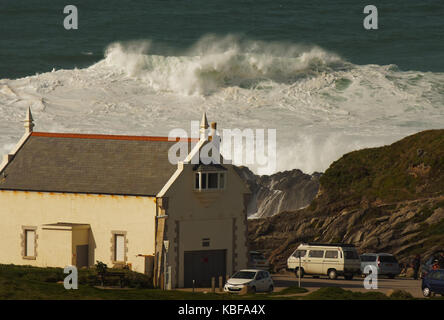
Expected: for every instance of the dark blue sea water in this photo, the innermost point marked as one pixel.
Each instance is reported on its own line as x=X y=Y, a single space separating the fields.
x=33 y=40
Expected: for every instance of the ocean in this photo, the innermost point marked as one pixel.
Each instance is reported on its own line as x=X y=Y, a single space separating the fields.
x=308 y=69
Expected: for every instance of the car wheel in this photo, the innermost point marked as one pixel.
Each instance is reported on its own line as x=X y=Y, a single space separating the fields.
x=297 y=273
x=253 y=289
x=348 y=277
x=426 y=292
x=332 y=274
x=271 y=289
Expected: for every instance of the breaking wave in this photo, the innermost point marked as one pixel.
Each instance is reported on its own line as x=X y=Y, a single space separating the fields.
x=214 y=63
x=321 y=105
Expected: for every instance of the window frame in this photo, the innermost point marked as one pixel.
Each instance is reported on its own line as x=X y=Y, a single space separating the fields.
x=320 y=250
x=24 y=236
x=331 y=251
x=300 y=250
x=114 y=236
x=221 y=182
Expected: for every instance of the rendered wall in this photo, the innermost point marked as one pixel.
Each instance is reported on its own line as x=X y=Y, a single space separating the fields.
x=54 y=247
x=104 y=214
x=217 y=214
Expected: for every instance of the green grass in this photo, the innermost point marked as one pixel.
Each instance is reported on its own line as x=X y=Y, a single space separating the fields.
x=290 y=290
x=31 y=283
x=335 y=293
x=26 y=283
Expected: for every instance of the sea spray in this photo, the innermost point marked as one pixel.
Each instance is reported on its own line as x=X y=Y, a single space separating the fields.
x=214 y=63
x=321 y=105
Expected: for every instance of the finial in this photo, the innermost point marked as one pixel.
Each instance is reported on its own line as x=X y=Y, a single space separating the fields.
x=203 y=127
x=204 y=122
x=29 y=121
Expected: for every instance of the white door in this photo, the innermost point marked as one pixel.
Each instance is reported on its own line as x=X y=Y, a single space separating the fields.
x=331 y=261
x=315 y=261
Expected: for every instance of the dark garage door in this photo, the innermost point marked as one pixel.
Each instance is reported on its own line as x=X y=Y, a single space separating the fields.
x=202 y=265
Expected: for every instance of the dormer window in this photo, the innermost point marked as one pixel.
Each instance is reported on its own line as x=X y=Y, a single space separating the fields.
x=209 y=180
x=209 y=177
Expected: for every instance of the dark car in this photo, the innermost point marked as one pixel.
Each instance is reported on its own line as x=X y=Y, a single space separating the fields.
x=433 y=282
x=427 y=266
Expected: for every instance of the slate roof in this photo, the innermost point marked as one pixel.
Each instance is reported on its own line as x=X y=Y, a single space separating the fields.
x=80 y=163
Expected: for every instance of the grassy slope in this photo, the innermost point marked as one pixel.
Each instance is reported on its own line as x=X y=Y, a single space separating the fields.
x=409 y=169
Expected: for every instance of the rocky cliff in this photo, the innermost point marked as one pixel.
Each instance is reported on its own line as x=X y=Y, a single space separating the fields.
x=282 y=191
x=387 y=199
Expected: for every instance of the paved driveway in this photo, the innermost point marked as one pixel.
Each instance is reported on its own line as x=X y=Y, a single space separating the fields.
x=357 y=284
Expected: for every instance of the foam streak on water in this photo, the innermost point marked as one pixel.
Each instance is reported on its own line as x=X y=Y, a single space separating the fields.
x=321 y=105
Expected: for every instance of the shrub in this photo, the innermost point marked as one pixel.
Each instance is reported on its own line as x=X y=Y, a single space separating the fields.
x=401 y=294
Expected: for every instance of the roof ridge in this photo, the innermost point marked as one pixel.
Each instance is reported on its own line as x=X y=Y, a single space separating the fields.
x=109 y=137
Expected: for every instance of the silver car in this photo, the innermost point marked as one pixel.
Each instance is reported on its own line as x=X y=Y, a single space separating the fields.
x=254 y=280
x=385 y=263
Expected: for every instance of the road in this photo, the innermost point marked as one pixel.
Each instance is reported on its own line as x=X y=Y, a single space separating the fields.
x=282 y=281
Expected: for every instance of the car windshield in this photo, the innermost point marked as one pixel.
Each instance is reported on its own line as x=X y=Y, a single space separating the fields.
x=350 y=254
x=244 y=275
x=299 y=252
x=391 y=259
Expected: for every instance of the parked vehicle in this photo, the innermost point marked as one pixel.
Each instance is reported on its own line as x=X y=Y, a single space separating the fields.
x=385 y=263
x=255 y=280
x=333 y=260
x=433 y=282
x=256 y=260
x=427 y=266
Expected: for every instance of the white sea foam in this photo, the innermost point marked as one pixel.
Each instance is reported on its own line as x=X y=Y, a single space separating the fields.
x=321 y=105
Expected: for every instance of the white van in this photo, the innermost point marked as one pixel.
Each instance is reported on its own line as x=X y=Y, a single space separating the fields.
x=325 y=259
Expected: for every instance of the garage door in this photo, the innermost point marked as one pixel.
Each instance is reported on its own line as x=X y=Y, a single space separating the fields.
x=202 y=265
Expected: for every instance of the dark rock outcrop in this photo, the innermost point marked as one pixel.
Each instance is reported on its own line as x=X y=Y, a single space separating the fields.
x=282 y=191
x=387 y=199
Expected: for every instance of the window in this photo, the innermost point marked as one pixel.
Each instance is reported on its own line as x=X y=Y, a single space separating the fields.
x=299 y=252
x=203 y=180
x=209 y=180
x=196 y=183
x=331 y=254
x=212 y=180
x=366 y=258
x=436 y=275
x=205 y=242
x=29 y=243
x=120 y=245
x=244 y=275
x=118 y=248
x=389 y=259
x=316 y=253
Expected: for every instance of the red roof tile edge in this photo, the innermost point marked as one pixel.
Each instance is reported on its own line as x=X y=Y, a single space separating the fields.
x=109 y=137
